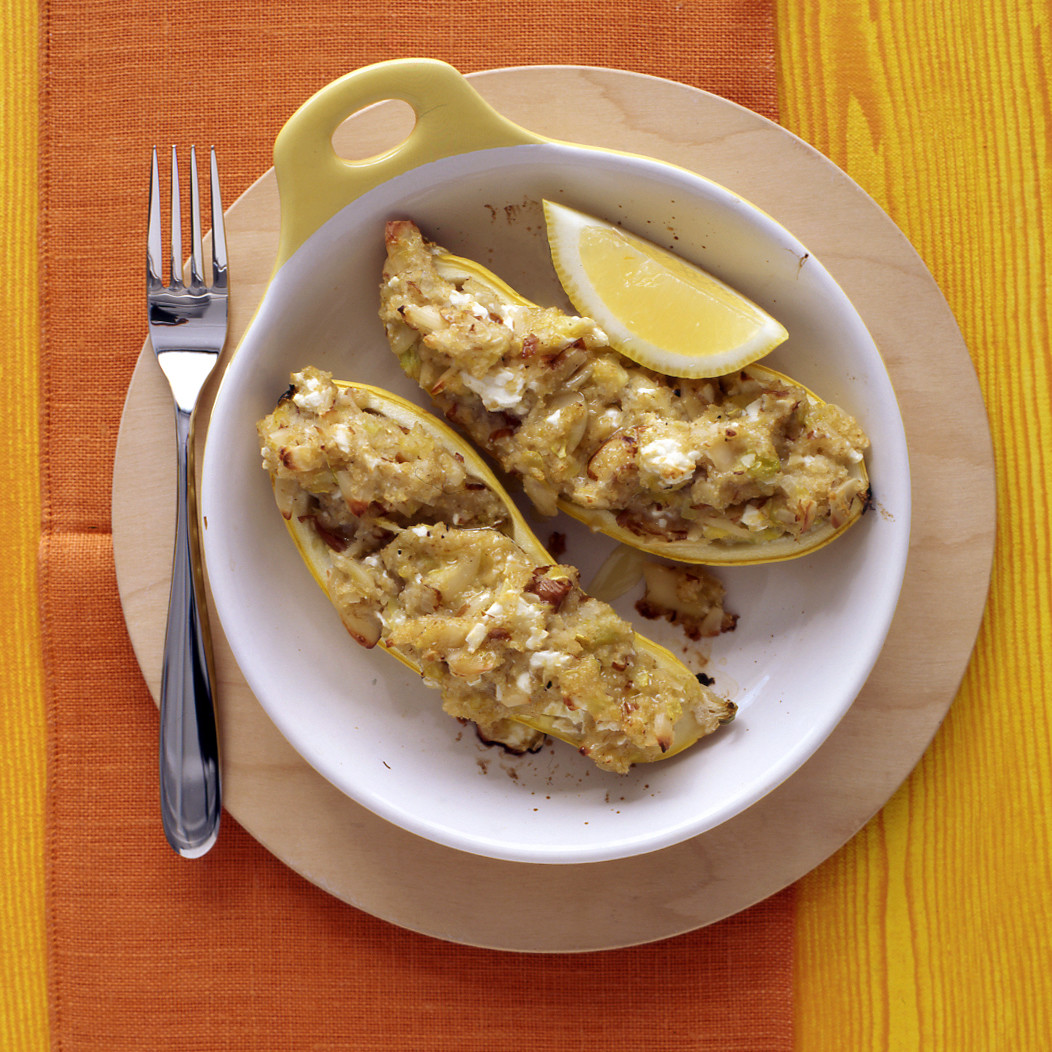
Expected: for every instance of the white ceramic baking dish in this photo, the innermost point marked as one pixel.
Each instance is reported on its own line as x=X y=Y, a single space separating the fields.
x=809 y=630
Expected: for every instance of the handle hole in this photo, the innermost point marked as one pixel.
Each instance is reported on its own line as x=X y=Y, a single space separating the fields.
x=375 y=130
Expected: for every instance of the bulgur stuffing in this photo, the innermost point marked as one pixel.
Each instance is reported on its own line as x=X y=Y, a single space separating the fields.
x=689 y=597
x=420 y=555
x=732 y=461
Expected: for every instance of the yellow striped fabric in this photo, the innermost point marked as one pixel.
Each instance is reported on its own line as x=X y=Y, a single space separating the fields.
x=930 y=929
x=23 y=992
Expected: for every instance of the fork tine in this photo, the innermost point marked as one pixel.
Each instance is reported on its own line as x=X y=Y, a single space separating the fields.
x=177 y=226
x=153 y=243
x=218 y=235
x=197 y=276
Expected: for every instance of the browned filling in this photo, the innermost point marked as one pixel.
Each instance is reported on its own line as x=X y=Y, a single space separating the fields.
x=740 y=459
x=419 y=555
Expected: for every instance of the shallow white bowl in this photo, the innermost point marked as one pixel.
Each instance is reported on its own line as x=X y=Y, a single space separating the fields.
x=810 y=629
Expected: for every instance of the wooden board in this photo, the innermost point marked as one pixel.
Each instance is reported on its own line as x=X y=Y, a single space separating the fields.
x=411 y=882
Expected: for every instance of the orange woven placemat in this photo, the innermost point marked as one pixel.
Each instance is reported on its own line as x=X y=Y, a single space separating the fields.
x=235 y=951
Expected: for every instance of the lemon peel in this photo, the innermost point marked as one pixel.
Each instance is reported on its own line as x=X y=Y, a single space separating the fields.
x=655 y=307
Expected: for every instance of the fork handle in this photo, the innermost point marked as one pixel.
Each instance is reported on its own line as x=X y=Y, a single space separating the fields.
x=189 y=745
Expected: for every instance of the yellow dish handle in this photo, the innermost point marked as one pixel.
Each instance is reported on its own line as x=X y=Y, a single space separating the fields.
x=451 y=118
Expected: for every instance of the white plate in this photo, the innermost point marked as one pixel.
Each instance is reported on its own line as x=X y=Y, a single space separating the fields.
x=809 y=630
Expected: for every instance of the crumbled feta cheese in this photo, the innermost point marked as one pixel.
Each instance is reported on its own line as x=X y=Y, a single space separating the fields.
x=500 y=390
x=312 y=394
x=342 y=433
x=536 y=638
x=533 y=619
x=754 y=519
x=475 y=637
x=462 y=299
x=667 y=458
x=510 y=313
x=548 y=659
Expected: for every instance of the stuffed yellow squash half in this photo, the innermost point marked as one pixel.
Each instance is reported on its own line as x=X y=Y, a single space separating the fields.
x=425 y=556
x=746 y=468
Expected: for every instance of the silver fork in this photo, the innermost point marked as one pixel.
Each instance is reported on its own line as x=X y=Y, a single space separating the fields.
x=187 y=329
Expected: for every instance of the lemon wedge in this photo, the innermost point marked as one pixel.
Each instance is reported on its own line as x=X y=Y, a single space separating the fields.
x=655 y=307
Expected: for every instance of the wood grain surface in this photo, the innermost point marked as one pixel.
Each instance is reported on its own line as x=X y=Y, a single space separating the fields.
x=929 y=929
x=350 y=852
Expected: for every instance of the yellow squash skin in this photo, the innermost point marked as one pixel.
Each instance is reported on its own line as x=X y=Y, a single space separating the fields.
x=710 y=553
x=698 y=551
x=317 y=555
